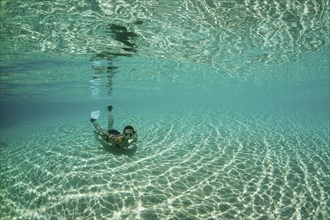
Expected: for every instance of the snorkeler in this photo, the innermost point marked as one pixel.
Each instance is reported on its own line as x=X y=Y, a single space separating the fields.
x=112 y=136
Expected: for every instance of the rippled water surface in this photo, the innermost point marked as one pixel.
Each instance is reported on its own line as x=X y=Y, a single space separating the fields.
x=230 y=100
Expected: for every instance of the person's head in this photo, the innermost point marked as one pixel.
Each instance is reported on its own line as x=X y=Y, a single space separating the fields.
x=128 y=131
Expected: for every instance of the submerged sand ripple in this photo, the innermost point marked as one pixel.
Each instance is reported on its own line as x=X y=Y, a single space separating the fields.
x=223 y=165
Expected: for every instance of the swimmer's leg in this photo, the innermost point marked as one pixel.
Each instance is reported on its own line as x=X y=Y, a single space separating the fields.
x=100 y=131
x=110 y=117
x=97 y=127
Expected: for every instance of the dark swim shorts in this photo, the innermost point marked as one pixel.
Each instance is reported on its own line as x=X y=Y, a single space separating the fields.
x=113 y=132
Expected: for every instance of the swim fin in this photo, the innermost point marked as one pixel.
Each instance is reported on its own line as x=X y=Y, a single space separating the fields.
x=95 y=114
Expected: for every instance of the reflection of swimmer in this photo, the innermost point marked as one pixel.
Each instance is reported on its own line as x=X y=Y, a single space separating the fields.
x=102 y=63
x=102 y=69
x=122 y=34
x=113 y=136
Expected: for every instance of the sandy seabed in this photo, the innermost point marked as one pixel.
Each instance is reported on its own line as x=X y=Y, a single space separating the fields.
x=199 y=164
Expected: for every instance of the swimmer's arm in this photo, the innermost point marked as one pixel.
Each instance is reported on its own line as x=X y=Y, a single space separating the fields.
x=123 y=142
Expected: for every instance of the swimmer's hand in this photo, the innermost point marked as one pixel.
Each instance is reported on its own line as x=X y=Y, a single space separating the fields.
x=133 y=139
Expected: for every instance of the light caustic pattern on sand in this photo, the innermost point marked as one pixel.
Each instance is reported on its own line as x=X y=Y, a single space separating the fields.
x=222 y=165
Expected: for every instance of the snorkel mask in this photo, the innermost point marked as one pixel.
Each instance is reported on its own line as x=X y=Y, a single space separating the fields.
x=128 y=132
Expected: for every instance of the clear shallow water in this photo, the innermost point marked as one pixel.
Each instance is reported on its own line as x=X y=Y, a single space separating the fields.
x=227 y=164
x=230 y=100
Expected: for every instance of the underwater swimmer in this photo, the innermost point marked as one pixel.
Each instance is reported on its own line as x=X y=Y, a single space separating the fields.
x=112 y=136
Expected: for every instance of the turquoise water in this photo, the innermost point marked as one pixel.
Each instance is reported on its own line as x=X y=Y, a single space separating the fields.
x=230 y=100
